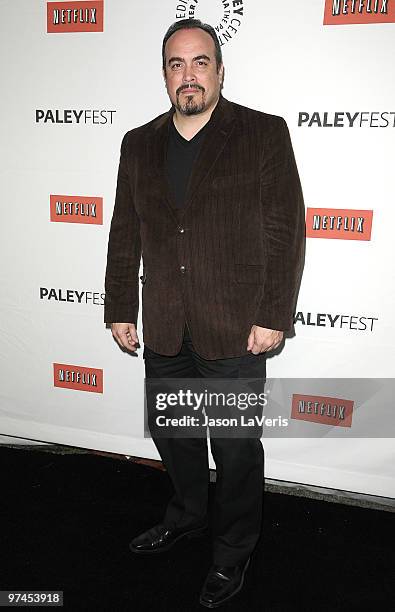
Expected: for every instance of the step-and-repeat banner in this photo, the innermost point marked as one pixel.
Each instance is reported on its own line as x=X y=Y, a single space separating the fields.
x=75 y=77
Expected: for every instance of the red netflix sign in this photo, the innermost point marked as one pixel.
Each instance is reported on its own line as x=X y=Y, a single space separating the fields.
x=341 y=223
x=75 y=16
x=321 y=409
x=79 y=378
x=76 y=209
x=340 y=12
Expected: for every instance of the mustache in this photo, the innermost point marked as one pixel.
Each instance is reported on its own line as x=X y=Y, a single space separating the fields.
x=192 y=86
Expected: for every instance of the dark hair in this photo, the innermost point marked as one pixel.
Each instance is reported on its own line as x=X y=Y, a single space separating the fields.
x=188 y=24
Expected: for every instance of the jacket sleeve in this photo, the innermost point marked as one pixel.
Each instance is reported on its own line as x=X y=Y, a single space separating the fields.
x=121 y=303
x=284 y=231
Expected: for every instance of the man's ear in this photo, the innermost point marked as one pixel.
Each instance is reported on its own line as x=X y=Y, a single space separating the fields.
x=164 y=74
x=221 y=75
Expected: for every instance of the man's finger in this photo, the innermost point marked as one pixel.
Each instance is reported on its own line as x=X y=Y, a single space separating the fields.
x=123 y=340
x=132 y=335
x=265 y=348
x=250 y=341
x=120 y=340
x=130 y=340
x=257 y=349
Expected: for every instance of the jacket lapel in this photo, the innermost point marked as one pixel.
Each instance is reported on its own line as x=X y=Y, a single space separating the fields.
x=157 y=156
x=218 y=131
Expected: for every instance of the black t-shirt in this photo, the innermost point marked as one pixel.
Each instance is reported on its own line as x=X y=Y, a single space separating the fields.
x=181 y=154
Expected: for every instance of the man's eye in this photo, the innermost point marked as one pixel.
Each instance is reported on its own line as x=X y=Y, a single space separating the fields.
x=201 y=63
x=175 y=66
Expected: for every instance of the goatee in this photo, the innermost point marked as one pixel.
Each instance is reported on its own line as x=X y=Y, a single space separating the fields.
x=190 y=107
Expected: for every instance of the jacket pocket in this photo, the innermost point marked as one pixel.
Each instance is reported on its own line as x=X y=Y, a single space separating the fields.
x=250 y=273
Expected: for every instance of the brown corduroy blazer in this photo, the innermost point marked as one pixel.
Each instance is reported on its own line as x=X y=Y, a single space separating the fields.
x=231 y=258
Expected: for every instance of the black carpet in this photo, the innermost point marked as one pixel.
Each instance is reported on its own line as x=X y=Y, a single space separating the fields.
x=67 y=521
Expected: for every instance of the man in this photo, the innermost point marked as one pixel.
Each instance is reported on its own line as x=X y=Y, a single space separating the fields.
x=208 y=194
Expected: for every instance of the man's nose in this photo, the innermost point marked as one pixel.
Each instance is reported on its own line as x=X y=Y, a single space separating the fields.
x=188 y=75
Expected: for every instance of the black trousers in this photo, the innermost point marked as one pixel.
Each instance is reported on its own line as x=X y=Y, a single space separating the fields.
x=237 y=511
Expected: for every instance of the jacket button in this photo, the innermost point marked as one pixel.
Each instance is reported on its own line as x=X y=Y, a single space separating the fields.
x=182 y=268
x=181 y=230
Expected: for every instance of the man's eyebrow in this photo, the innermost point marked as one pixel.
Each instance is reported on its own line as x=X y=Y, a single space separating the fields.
x=198 y=57
x=181 y=59
x=175 y=59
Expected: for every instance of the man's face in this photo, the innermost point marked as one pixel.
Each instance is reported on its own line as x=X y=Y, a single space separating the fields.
x=191 y=76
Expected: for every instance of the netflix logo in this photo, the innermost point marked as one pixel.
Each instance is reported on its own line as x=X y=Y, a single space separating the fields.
x=75 y=16
x=76 y=209
x=338 y=12
x=79 y=378
x=324 y=410
x=343 y=224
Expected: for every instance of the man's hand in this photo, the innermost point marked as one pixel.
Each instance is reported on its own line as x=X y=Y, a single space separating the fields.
x=126 y=335
x=262 y=339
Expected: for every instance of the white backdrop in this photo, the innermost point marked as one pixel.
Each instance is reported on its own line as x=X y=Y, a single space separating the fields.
x=282 y=59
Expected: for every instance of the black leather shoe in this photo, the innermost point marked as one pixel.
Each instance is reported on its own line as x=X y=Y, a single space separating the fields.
x=222 y=583
x=161 y=538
